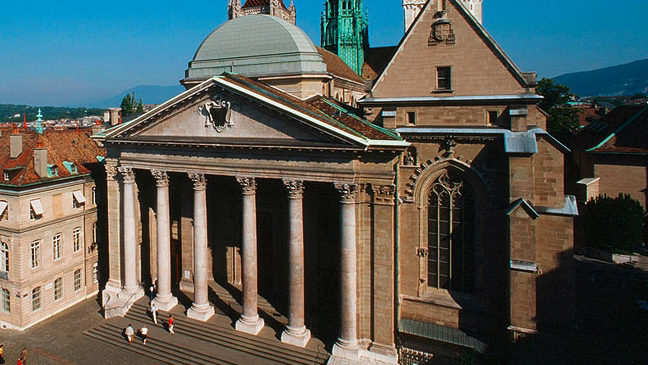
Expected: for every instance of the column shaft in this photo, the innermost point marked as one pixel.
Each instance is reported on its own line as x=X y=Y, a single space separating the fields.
x=130 y=237
x=296 y=332
x=250 y=321
x=200 y=309
x=164 y=299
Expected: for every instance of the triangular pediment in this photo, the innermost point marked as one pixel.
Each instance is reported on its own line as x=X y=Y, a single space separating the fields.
x=218 y=113
x=446 y=35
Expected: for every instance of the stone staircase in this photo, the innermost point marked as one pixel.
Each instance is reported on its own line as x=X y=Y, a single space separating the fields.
x=198 y=342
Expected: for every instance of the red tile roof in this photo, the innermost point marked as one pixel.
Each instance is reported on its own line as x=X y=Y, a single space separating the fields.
x=252 y=3
x=319 y=107
x=63 y=145
x=337 y=67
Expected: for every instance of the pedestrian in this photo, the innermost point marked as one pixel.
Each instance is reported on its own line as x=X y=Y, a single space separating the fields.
x=144 y=333
x=2 y=359
x=20 y=362
x=170 y=324
x=154 y=310
x=129 y=332
x=152 y=292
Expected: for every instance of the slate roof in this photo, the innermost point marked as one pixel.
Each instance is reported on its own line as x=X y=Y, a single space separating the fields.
x=337 y=67
x=376 y=59
x=630 y=135
x=253 y=3
x=319 y=107
x=63 y=145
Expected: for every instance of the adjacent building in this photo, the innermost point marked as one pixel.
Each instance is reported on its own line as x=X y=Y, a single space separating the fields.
x=48 y=223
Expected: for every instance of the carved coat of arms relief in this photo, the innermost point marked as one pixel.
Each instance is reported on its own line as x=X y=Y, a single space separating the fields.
x=217 y=113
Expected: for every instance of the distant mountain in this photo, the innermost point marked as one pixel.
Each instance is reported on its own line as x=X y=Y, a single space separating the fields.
x=622 y=80
x=150 y=94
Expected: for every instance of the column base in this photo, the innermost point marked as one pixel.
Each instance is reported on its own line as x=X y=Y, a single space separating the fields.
x=200 y=313
x=252 y=326
x=345 y=353
x=296 y=337
x=165 y=304
x=118 y=303
x=380 y=354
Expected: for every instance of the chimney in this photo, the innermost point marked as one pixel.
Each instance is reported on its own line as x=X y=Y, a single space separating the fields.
x=40 y=161
x=15 y=145
x=115 y=114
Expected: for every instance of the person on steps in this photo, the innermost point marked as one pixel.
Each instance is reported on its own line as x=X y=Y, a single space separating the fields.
x=130 y=333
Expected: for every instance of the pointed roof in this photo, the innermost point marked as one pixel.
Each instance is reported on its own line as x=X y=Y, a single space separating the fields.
x=480 y=30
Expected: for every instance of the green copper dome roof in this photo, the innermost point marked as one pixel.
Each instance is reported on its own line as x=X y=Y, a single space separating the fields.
x=256 y=45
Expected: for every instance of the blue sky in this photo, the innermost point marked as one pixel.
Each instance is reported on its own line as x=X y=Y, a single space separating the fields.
x=61 y=52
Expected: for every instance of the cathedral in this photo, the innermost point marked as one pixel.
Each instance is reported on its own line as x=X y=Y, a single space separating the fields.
x=403 y=205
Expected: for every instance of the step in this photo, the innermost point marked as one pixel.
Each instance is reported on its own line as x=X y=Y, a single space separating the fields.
x=235 y=342
x=226 y=336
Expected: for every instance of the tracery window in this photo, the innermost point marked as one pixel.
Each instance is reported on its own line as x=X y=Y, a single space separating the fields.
x=451 y=219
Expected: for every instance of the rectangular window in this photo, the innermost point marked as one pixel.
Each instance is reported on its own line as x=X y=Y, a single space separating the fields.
x=35 y=254
x=6 y=300
x=77 y=279
x=76 y=239
x=444 y=78
x=95 y=273
x=94 y=195
x=4 y=211
x=56 y=246
x=492 y=117
x=58 y=289
x=35 y=209
x=411 y=117
x=36 y=298
x=94 y=232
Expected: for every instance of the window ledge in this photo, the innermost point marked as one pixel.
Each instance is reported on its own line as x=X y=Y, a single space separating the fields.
x=442 y=91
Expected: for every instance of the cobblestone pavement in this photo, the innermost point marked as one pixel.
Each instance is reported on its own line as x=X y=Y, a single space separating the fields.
x=60 y=340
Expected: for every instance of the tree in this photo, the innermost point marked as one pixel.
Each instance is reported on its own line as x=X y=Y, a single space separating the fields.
x=563 y=119
x=613 y=224
x=128 y=104
x=140 y=107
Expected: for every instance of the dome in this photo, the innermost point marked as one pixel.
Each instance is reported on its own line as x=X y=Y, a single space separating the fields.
x=256 y=45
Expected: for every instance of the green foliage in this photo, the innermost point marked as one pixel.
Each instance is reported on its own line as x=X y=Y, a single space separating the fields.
x=562 y=117
x=638 y=96
x=613 y=224
x=140 y=107
x=128 y=105
x=8 y=112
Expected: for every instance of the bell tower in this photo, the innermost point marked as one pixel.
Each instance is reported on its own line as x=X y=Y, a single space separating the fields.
x=345 y=31
x=412 y=8
x=474 y=7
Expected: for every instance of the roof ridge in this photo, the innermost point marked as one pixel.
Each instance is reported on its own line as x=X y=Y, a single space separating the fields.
x=362 y=120
x=618 y=130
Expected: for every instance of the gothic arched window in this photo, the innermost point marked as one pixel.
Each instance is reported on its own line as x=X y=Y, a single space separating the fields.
x=451 y=219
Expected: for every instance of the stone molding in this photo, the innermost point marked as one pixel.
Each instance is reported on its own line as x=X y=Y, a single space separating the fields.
x=161 y=178
x=199 y=181
x=127 y=174
x=111 y=170
x=248 y=185
x=295 y=188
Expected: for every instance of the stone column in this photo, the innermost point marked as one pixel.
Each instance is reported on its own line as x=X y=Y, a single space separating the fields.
x=200 y=309
x=346 y=347
x=114 y=206
x=250 y=322
x=296 y=332
x=164 y=299
x=130 y=236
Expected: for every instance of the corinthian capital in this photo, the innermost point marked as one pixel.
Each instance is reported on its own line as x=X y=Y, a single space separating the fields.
x=347 y=191
x=295 y=188
x=161 y=178
x=127 y=174
x=248 y=185
x=199 y=181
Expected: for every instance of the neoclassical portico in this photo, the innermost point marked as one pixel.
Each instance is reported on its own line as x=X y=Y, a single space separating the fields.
x=261 y=141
